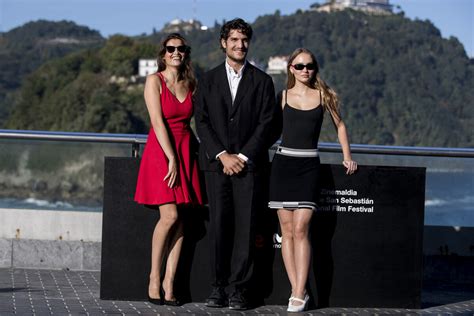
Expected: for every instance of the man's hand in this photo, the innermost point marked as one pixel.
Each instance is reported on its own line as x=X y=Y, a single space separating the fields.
x=232 y=163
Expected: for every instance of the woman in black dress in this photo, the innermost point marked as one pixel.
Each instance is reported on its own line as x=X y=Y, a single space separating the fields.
x=295 y=169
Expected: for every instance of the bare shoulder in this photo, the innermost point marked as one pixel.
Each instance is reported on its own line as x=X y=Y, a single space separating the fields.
x=153 y=81
x=283 y=98
x=290 y=93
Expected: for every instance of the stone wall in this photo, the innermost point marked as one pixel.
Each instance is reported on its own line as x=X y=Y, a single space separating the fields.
x=50 y=254
x=46 y=239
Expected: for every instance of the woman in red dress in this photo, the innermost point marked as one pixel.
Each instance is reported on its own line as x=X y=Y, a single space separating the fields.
x=168 y=176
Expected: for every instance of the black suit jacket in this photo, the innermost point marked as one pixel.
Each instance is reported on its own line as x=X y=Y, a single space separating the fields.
x=247 y=126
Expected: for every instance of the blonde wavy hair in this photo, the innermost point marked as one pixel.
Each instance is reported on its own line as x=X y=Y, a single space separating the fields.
x=330 y=99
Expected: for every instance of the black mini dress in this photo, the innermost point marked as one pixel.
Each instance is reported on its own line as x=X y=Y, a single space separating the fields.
x=294 y=179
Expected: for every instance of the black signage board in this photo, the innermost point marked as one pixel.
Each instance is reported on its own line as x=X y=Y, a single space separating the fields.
x=367 y=239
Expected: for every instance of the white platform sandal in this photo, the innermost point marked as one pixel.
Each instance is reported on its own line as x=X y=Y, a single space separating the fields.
x=297 y=308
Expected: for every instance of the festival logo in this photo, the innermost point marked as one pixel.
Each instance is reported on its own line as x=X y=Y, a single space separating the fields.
x=276 y=241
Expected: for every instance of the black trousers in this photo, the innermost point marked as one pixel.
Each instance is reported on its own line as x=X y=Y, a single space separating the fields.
x=233 y=203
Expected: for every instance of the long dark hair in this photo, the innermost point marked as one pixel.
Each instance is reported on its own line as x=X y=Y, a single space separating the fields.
x=330 y=99
x=185 y=71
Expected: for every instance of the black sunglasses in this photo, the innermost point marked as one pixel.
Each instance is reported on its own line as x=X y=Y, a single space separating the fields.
x=181 y=49
x=309 y=66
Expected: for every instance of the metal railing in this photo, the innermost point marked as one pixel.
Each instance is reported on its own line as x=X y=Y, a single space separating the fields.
x=135 y=140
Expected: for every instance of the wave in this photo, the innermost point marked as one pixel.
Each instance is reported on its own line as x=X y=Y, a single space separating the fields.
x=47 y=204
x=32 y=203
x=435 y=202
x=460 y=201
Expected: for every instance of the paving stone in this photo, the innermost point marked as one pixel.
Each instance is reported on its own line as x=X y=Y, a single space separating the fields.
x=5 y=309
x=42 y=311
x=23 y=310
x=42 y=292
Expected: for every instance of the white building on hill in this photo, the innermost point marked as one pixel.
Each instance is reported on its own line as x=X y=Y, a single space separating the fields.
x=277 y=65
x=147 y=67
x=178 y=26
x=369 y=6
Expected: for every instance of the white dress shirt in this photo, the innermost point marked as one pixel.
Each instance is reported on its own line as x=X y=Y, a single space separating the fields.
x=234 y=80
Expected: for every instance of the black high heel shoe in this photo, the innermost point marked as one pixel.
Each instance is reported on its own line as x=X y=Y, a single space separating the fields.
x=174 y=302
x=156 y=301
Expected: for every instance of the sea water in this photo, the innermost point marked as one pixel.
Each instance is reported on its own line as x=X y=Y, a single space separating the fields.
x=449 y=199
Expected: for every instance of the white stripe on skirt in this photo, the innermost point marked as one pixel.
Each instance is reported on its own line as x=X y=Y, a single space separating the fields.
x=293 y=152
x=292 y=205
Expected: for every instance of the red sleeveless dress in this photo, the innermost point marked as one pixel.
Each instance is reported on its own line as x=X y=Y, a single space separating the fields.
x=151 y=189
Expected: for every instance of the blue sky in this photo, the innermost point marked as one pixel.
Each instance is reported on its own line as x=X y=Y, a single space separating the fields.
x=133 y=17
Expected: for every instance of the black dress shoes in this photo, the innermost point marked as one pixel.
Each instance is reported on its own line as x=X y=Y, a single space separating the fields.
x=238 y=301
x=217 y=298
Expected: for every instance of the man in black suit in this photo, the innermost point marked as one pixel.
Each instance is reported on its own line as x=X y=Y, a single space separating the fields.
x=235 y=111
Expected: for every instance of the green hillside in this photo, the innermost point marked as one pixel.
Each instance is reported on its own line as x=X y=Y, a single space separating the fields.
x=24 y=49
x=86 y=91
x=400 y=82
